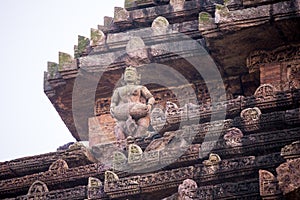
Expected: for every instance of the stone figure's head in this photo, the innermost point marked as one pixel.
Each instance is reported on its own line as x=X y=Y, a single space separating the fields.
x=187 y=190
x=131 y=75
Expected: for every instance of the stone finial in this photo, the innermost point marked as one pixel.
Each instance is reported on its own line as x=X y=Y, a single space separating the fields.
x=66 y=62
x=94 y=182
x=52 y=69
x=108 y=21
x=268 y=185
x=265 y=90
x=129 y=3
x=291 y=151
x=60 y=165
x=214 y=159
x=110 y=176
x=119 y=160
x=83 y=45
x=187 y=190
x=206 y=21
x=233 y=137
x=221 y=13
x=37 y=188
x=97 y=37
x=121 y=15
x=134 y=153
x=160 y=25
x=177 y=4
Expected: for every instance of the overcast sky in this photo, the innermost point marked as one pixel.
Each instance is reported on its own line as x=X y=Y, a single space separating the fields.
x=32 y=33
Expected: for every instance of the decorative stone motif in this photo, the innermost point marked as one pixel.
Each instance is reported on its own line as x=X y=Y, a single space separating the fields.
x=120 y=160
x=251 y=115
x=97 y=37
x=160 y=25
x=233 y=137
x=135 y=153
x=137 y=51
x=214 y=159
x=52 y=69
x=121 y=15
x=206 y=21
x=95 y=188
x=66 y=62
x=60 y=166
x=281 y=54
x=265 y=90
x=158 y=119
x=288 y=175
x=83 y=46
x=37 y=189
x=221 y=13
x=291 y=151
x=268 y=184
x=110 y=176
x=187 y=190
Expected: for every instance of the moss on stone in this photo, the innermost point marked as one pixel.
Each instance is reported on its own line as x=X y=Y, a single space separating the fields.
x=204 y=17
x=64 y=59
x=83 y=43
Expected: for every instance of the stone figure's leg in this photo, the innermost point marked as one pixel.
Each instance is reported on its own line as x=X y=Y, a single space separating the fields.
x=143 y=125
x=119 y=130
x=131 y=126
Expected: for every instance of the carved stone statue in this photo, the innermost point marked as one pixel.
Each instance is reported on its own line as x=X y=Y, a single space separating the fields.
x=130 y=106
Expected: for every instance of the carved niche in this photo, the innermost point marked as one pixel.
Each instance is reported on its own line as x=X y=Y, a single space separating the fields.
x=279 y=67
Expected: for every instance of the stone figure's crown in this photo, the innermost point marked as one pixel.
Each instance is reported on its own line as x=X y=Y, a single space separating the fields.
x=130 y=68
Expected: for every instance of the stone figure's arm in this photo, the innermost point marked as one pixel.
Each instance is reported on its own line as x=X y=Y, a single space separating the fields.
x=114 y=102
x=149 y=97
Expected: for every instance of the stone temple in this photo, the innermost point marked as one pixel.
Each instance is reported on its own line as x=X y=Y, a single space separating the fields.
x=212 y=90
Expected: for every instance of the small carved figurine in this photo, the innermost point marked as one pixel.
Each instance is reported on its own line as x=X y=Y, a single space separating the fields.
x=131 y=105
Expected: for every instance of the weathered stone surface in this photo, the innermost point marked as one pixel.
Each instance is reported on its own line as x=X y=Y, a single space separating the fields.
x=97 y=37
x=66 y=62
x=288 y=175
x=101 y=129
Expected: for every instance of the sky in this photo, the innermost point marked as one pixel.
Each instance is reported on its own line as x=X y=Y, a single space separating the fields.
x=32 y=32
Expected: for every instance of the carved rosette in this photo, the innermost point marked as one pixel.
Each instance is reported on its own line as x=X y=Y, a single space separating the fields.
x=268 y=184
x=288 y=175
